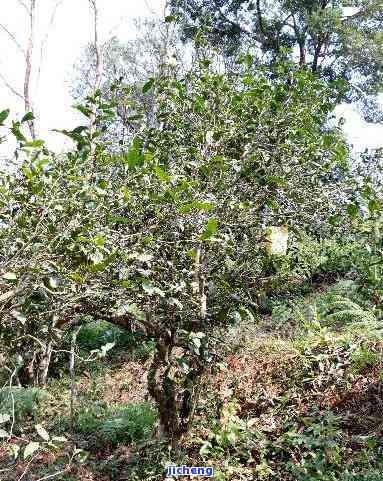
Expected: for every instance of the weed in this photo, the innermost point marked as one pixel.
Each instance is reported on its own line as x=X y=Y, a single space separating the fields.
x=363 y=357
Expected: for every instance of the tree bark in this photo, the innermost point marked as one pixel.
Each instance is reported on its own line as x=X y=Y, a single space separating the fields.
x=44 y=363
x=73 y=375
x=28 y=68
x=35 y=370
x=97 y=83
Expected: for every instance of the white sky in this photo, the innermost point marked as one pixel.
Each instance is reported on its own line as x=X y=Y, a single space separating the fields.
x=71 y=32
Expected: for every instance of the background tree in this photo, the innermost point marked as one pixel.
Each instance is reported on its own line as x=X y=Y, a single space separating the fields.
x=335 y=39
x=157 y=50
x=99 y=57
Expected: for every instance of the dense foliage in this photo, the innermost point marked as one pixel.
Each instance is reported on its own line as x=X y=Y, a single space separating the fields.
x=334 y=39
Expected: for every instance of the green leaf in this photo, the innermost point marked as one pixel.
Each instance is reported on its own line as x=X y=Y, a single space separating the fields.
x=59 y=439
x=103 y=184
x=84 y=110
x=335 y=219
x=40 y=164
x=42 y=433
x=150 y=289
x=273 y=204
x=34 y=143
x=74 y=134
x=99 y=241
x=86 y=240
x=142 y=257
x=77 y=278
x=274 y=180
x=79 y=130
x=161 y=174
x=107 y=347
x=15 y=129
x=134 y=157
x=373 y=205
x=186 y=208
x=148 y=85
x=170 y=18
x=210 y=229
x=30 y=449
x=118 y=219
x=199 y=104
x=3 y=116
x=125 y=193
x=28 y=117
x=352 y=210
x=132 y=118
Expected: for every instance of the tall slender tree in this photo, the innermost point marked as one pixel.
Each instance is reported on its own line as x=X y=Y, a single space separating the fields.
x=98 y=77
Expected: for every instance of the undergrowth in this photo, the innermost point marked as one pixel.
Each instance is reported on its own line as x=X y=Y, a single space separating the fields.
x=126 y=424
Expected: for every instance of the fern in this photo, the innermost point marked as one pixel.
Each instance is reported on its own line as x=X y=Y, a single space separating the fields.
x=350 y=315
x=342 y=310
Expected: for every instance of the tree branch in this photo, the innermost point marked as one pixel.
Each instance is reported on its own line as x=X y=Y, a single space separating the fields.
x=301 y=42
x=97 y=84
x=86 y=307
x=13 y=38
x=24 y=6
x=260 y=19
x=235 y=24
x=28 y=67
x=9 y=86
x=361 y=13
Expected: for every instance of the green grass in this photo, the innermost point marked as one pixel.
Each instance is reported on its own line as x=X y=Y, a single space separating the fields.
x=27 y=402
x=125 y=424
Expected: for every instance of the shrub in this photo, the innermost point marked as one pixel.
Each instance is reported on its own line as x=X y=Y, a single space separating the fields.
x=158 y=235
x=305 y=256
x=309 y=256
x=340 y=256
x=98 y=333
